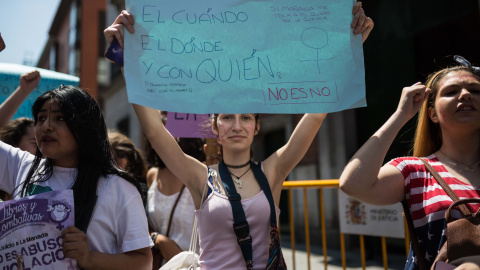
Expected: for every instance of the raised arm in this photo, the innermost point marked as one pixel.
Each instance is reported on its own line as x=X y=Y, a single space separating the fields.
x=28 y=82
x=364 y=177
x=170 y=152
x=281 y=163
x=161 y=140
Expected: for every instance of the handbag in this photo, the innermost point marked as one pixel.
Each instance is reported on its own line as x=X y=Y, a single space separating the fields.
x=187 y=260
x=463 y=235
x=242 y=230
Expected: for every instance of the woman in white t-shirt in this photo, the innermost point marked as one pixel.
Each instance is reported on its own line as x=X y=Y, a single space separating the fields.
x=72 y=136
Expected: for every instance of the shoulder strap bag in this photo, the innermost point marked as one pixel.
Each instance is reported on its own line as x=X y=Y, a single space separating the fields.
x=240 y=226
x=461 y=234
x=188 y=260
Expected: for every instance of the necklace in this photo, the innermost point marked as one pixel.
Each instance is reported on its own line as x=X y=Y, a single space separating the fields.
x=468 y=167
x=238 y=181
x=237 y=166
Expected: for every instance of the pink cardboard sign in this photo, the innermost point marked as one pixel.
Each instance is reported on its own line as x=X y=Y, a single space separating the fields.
x=189 y=125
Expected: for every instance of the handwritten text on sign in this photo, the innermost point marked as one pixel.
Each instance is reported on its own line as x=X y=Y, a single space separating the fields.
x=244 y=56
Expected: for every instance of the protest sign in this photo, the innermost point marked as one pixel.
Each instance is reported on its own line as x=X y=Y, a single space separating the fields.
x=10 y=80
x=189 y=125
x=32 y=227
x=216 y=56
x=357 y=217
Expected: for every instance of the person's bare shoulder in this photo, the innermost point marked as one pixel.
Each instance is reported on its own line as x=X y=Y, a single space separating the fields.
x=151 y=175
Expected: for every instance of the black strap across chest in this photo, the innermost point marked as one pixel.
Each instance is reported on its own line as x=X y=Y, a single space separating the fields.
x=240 y=224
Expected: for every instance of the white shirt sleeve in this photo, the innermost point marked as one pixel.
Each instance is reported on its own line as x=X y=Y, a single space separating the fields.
x=119 y=223
x=14 y=166
x=133 y=225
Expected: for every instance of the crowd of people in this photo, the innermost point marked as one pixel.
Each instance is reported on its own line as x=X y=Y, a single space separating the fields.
x=137 y=211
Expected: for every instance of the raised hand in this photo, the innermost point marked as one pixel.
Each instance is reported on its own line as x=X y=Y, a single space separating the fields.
x=8 y=108
x=412 y=99
x=116 y=30
x=361 y=23
x=29 y=81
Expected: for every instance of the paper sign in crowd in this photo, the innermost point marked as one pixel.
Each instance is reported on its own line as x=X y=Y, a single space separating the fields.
x=189 y=125
x=211 y=56
x=32 y=227
x=10 y=80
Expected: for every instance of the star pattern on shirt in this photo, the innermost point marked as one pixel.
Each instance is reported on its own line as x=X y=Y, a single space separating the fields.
x=431 y=238
x=427 y=208
x=427 y=256
x=430 y=235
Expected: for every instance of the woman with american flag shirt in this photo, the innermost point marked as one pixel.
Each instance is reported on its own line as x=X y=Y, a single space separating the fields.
x=447 y=135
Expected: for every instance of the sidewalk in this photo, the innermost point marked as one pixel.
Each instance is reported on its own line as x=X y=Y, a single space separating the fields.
x=395 y=261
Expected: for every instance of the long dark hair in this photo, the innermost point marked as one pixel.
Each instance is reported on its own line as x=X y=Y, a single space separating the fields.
x=85 y=121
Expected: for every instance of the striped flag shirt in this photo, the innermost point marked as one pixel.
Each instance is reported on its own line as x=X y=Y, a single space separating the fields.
x=428 y=203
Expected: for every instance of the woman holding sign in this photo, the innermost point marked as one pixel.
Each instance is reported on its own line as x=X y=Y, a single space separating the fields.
x=255 y=188
x=448 y=139
x=72 y=136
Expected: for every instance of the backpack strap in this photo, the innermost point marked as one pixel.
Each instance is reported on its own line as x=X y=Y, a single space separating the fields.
x=240 y=224
x=263 y=182
x=446 y=187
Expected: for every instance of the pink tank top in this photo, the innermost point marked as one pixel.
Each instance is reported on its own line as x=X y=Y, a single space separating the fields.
x=218 y=243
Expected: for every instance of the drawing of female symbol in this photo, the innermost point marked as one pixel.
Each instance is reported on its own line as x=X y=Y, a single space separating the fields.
x=59 y=213
x=315 y=38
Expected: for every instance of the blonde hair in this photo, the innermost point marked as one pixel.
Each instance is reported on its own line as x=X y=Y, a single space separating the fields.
x=428 y=135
